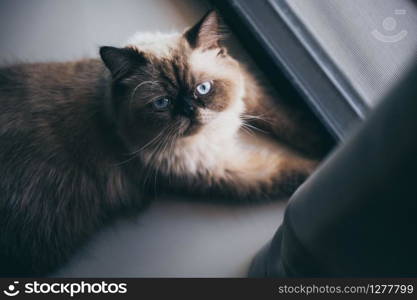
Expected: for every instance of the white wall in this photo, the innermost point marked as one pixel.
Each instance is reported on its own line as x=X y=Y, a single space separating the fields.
x=43 y=30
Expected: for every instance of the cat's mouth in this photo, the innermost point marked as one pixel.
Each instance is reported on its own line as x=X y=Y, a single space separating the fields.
x=192 y=128
x=196 y=124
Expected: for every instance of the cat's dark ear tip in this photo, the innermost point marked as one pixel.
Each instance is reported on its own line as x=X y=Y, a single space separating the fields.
x=210 y=18
x=114 y=59
x=212 y=14
x=121 y=60
x=206 y=33
x=103 y=49
x=107 y=50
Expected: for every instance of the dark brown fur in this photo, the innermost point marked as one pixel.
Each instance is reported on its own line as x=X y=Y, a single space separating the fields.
x=58 y=154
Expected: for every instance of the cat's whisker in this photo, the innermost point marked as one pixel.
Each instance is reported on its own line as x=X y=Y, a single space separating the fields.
x=255 y=128
x=148 y=144
x=163 y=151
x=140 y=85
x=255 y=117
x=133 y=154
x=123 y=162
x=247 y=130
x=172 y=149
x=155 y=157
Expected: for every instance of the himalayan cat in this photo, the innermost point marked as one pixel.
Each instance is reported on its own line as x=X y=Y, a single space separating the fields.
x=84 y=141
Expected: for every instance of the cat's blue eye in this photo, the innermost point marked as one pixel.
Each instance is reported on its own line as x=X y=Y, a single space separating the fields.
x=203 y=88
x=161 y=104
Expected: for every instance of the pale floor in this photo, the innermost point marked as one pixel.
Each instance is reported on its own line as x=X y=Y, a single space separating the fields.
x=176 y=238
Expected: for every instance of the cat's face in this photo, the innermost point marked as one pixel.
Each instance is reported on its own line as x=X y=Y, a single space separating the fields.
x=175 y=87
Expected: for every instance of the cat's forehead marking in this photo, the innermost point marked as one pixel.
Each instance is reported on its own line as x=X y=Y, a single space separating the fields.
x=157 y=44
x=177 y=63
x=207 y=62
x=168 y=54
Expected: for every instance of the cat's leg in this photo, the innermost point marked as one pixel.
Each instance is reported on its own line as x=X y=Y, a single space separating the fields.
x=255 y=169
x=262 y=169
x=290 y=124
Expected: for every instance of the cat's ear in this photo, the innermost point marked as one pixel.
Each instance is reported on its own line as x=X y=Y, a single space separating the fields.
x=206 y=33
x=120 y=61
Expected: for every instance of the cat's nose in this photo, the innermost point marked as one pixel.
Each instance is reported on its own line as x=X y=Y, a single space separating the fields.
x=188 y=108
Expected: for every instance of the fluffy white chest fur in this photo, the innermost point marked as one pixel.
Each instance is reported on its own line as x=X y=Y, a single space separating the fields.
x=205 y=152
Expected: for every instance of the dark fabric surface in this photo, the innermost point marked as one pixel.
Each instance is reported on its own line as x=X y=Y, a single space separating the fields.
x=356 y=216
